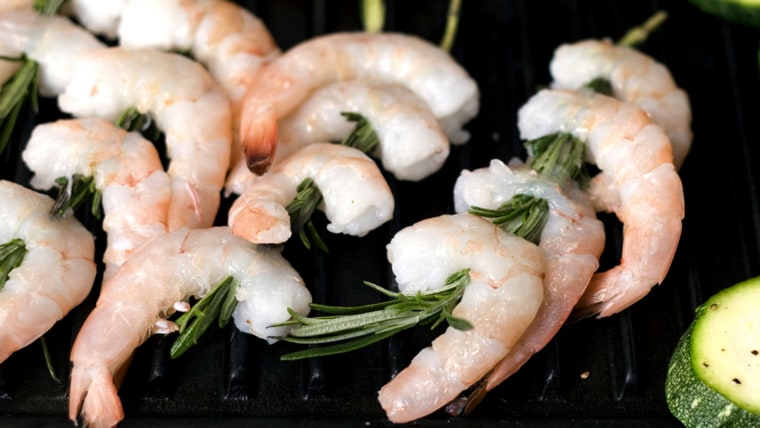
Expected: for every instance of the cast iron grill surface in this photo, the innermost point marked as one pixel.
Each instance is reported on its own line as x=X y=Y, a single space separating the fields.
x=594 y=373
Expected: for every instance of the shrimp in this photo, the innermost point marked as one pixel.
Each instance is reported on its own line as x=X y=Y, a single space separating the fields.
x=637 y=181
x=126 y=170
x=231 y=41
x=186 y=103
x=357 y=199
x=571 y=241
x=284 y=83
x=136 y=301
x=411 y=143
x=501 y=301
x=55 y=275
x=635 y=77
x=52 y=41
x=16 y=4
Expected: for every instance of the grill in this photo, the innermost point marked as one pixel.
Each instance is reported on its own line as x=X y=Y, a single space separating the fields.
x=594 y=373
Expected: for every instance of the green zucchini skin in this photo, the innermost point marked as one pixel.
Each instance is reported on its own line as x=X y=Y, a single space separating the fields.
x=737 y=11
x=694 y=403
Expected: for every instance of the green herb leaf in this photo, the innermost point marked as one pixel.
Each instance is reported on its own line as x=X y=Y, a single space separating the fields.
x=12 y=254
x=48 y=360
x=558 y=157
x=363 y=137
x=452 y=22
x=300 y=210
x=48 y=7
x=134 y=121
x=639 y=34
x=600 y=85
x=523 y=215
x=14 y=94
x=218 y=305
x=350 y=328
x=74 y=192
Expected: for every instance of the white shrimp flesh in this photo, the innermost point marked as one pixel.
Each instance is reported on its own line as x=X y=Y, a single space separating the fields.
x=637 y=181
x=635 y=77
x=356 y=196
x=504 y=295
x=56 y=273
x=187 y=105
x=126 y=169
x=571 y=241
x=137 y=300
x=422 y=67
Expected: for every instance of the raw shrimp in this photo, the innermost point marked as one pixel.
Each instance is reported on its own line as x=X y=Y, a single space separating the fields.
x=501 y=301
x=638 y=182
x=422 y=67
x=8 y=5
x=572 y=241
x=186 y=104
x=55 y=275
x=52 y=41
x=357 y=198
x=168 y=270
x=126 y=170
x=635 y=77
x=411 y=144
x=231 y=41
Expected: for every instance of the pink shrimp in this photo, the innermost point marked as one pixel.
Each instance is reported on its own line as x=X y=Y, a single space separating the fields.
x=55 y=274
x=638 y=182
x=186 y=103
x=357 y=198
x=635 y=77
x=152 y=284
x=504 y=295
x=284 y=83
x=572 y=241
x=126 y=170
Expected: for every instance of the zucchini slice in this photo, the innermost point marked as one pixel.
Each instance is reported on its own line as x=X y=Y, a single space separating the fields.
x=714 y=375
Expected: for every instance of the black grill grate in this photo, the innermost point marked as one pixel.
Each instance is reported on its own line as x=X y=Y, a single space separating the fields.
x=595 y=372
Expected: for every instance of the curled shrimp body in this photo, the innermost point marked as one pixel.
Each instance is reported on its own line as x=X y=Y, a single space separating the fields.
x=357 y=199
x=52 y=41
x=126 y=170
x=55 y=275
x=635 y=77
x=137 y=299
x=227 y=38
x=283 y=84
x=411 y=143
x=571 y=241
x=502 y=299
x=638 y=182
x=186 y=104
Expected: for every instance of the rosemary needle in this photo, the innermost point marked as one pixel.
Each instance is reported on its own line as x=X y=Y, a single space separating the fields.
x=12 y=253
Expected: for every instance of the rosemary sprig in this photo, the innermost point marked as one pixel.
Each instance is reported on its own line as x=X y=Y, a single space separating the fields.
x=452 y=22
x=12 y=253
x=523 y=215
x=48 y=7
x=349 y=328
x=218 y=305
x=632 y=38
x=558 y=157
x=363 y=136
x=132 y=120
x=300 y=210
x=73 y=192
x=373 y=15
x=48 y=360
x=15 y=93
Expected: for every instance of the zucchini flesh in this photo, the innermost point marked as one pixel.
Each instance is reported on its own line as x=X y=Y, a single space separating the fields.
x=725 y=344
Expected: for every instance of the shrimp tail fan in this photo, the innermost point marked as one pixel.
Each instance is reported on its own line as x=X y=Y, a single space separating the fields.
x=94 y=397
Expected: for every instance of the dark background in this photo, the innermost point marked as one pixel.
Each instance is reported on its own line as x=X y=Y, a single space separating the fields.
x=506 y=46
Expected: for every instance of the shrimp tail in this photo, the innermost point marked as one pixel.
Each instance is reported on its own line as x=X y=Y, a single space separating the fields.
x=609 y=293
x=93 y=397
x=258 y=136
